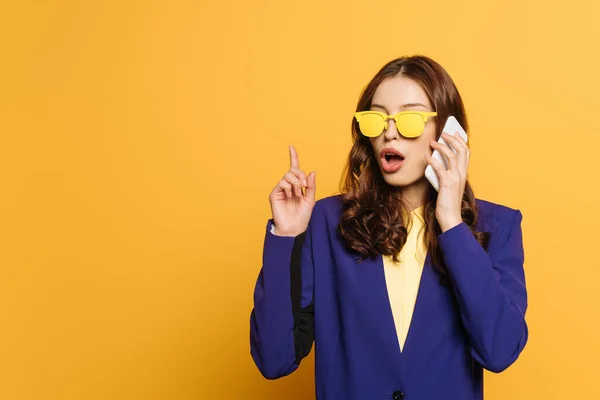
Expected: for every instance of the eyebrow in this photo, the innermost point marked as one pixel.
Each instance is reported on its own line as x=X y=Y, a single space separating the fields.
x=403 y=106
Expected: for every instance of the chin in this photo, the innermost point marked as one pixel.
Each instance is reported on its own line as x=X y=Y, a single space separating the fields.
x=400 y=179
x=396 y=180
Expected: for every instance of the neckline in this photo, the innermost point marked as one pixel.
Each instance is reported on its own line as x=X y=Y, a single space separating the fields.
x=418 y=212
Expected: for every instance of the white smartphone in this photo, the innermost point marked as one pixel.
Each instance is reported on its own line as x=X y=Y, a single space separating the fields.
x=451 y=127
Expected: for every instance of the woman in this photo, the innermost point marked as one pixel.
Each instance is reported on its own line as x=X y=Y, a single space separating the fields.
x=407 y=292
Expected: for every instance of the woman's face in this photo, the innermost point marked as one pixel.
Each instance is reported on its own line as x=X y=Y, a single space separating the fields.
x=392 y=96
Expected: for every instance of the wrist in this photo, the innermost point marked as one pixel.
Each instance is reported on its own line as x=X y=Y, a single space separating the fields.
x=448 y=223
x=283 y=232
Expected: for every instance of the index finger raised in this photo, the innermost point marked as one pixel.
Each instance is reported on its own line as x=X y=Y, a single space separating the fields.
x=294 y=163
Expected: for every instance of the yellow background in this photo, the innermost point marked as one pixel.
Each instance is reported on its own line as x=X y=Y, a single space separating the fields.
x=140 y=140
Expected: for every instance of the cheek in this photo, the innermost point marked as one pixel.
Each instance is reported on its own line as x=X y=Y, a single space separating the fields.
x=429 y=133
x=375 y=144
x=424 y=146
x=421 y=149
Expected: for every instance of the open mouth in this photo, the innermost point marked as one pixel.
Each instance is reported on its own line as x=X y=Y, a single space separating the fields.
x=391 y=160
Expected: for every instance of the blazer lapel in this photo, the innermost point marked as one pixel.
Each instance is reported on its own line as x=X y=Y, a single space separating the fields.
x=419 y=317
x=372 y=291
x=415 y=338
x=433 y=323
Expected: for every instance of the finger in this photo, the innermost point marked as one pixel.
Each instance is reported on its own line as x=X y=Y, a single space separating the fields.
x=312 y=186
x=462 y=152
x=285 y=187
x=294 y=162
x=298 y=173
x=461 y=140
x=295 y=182
x=437 y=167
x=447 y=153
x=455 y=141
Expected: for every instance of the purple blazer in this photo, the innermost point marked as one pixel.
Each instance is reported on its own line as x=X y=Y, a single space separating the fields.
x=312 y=289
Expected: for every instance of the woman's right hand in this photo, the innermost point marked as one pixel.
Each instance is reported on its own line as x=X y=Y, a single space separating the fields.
x=291 y=208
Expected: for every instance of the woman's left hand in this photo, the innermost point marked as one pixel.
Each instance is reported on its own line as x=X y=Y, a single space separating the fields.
x=452 y=181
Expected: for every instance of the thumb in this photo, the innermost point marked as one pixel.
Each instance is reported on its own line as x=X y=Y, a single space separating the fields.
x=312 y=186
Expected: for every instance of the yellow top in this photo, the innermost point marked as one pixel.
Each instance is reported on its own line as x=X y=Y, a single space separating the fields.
x=403 y=278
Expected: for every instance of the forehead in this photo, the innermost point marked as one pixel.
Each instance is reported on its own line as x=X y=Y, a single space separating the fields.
x=394 y=92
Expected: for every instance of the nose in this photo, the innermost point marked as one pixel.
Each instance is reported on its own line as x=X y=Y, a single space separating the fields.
x=391 y=133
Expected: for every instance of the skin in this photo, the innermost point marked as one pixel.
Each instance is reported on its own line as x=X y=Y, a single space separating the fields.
x=293 y=198
x=392 y=96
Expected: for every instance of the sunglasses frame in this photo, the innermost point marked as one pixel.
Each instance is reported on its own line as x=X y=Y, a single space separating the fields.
x=423 y=114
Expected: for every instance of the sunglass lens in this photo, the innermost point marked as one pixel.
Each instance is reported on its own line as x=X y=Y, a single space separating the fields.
x=371 y=125
x=410 y=125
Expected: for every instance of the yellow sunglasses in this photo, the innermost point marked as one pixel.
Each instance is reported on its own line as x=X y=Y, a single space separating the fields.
x=410 y=124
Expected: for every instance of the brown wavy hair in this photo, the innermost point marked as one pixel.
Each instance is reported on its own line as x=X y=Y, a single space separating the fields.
x=372 y=220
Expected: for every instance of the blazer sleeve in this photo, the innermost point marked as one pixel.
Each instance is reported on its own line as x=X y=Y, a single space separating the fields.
x=282 y=319
x=490 y=289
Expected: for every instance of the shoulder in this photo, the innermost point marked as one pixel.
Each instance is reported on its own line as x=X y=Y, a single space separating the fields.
x=489 y=209
x=490 y=212
x=331 y=204
x=327 y=211
x=498 y=219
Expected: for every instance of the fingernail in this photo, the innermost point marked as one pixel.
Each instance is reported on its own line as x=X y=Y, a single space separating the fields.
x=305 y=183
